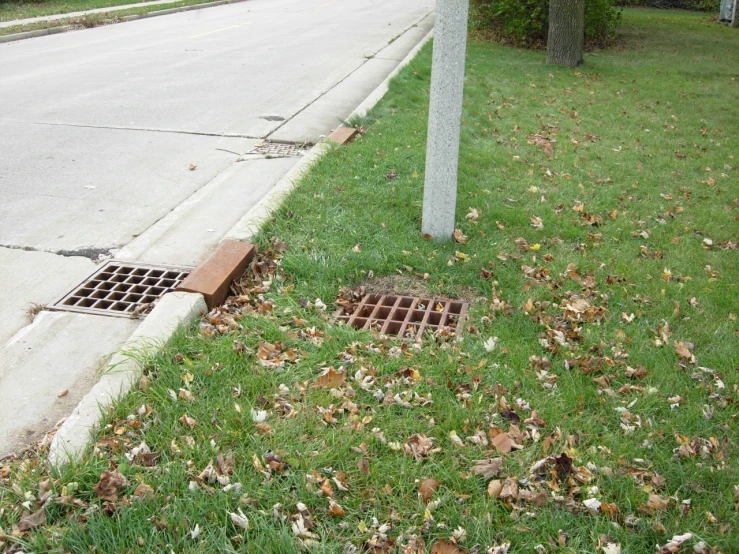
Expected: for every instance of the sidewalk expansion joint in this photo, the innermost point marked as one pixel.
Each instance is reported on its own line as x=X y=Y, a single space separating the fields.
x=150 y=130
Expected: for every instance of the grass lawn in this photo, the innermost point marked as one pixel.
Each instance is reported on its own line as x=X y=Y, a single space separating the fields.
x=91 y=20
x=592 y=404
x=11 y=9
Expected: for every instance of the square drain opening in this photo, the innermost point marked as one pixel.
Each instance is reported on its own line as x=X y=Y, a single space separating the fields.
x=405 y=316
x=279 y=150
x=121 y=289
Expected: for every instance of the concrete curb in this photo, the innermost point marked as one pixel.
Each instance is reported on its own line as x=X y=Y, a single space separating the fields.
x=249 y=225
x=176 y=308
x=33 y=34
x=372 y=100
x=123 y=372
x=125 y=18
x=252 y=222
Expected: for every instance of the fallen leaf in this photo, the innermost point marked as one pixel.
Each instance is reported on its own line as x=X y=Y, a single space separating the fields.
x=427 y=489
x=444 y=547
x=239 y=519
x=363 y=465
x=489 y=344
x=107 y=487
x=459 y=236
x=189 y=421
x=143 y=491
x=655 y=504
x=537 y=223
x=330 y=379
x=488 y=469
x=674 y=544
x=682 y=350
x=334 y=509
x=32 y=521
x=495 y=487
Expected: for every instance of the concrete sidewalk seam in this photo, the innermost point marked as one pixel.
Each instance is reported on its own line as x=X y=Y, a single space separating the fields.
x=150 y=129
x=122 y=373
x=347 y=76
x=248 y=227
x=123 y=19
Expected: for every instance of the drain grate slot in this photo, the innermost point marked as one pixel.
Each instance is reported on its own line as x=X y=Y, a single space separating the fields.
x=405 y=316
x=278 y=150
x=121 y=289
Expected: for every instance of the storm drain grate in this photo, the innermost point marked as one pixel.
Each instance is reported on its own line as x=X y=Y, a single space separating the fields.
x=278 y=150
x=405 y=316
x=122 y=289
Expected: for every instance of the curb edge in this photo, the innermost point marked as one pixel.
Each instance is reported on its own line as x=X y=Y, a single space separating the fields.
x=123 y=19
x=122 y=372
x=252 y=222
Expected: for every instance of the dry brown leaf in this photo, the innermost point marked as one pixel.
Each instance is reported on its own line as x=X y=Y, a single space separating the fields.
x=107 y=487
x=419 y=446
x=682 y=350
x=459 y=236
x=656 y=503
x=427 y=489
x=31 y=521
x=444 y=547
x=488 y=468
x=363 y=465
x=334 y=509
x=502 y=443
x=189 y=421
x=495 y=487
x=143 y=491
x=510 y=489
x=330 y=379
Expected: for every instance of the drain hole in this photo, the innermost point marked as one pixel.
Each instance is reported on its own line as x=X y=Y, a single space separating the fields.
x=118 y=288
x=411 y=316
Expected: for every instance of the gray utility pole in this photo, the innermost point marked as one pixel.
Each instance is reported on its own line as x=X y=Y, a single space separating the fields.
x=445 y=118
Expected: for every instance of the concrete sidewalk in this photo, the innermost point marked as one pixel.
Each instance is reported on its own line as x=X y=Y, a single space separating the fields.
x=58 y=16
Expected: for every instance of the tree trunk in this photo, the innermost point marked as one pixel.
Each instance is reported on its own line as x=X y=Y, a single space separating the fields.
x=735 y=14
x=566 y=32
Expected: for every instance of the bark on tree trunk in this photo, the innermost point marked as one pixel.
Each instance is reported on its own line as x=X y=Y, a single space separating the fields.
x=735 y=14
x=566 y=32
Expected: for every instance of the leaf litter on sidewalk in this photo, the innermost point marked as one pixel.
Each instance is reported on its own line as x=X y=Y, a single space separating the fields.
x=589 y=406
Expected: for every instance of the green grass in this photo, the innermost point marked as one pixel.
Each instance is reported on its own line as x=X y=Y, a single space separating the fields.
x=10 y=10
x=95 y=19
x=618 y=122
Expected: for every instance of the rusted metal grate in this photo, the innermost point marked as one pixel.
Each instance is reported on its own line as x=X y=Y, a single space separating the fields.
x=405 y=316
x=278 y=150
x=122 y=289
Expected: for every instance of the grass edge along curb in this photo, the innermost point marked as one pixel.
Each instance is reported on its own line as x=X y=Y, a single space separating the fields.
x=123 y=19
x=249 y=225
x=122 y=371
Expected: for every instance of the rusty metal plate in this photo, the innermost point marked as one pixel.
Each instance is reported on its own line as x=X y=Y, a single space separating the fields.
x=405 y=316
x=121 y=289
x=279 y=150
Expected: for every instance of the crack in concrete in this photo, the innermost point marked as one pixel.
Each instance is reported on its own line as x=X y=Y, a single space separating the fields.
x=360 y=66
x=91 y=253
x=151 y=130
